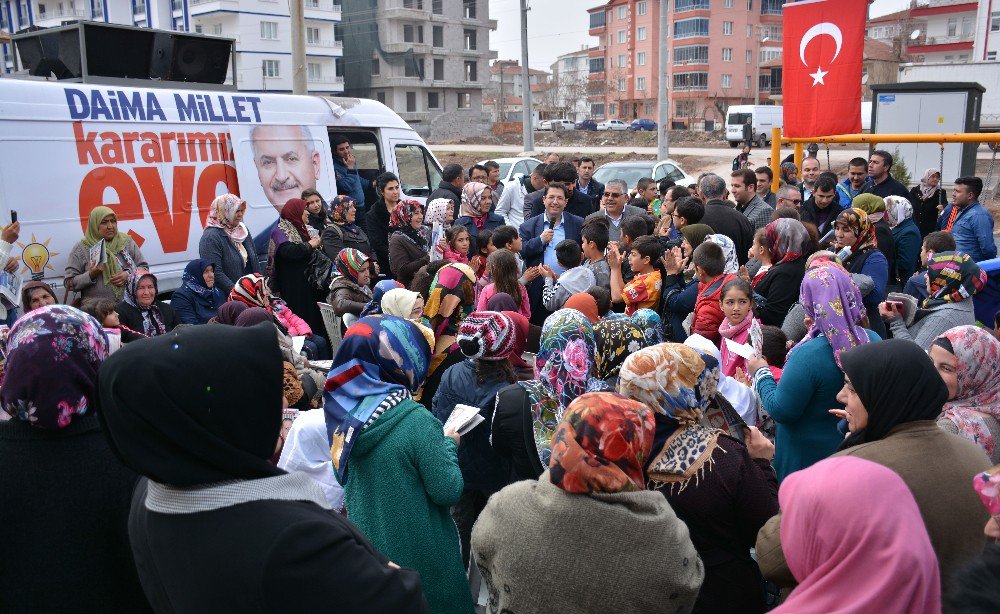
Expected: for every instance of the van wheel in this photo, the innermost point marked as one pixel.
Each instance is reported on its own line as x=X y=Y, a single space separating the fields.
x=763 y=141
x=732 y=144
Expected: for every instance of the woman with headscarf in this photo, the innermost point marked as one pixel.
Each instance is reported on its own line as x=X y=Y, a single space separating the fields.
x=474 y=213
x=892 y=396
x=728 y=250
x=585 y=304
x=140 y=311
x=289 y=253
x=614 y=341
x=968 y=360
x=393 y=458
x=440 y=212
x=853 y=230
x=66 y=497
x=407 y=244
x=651 y=325
x=307 y=449
x=450 y=300
x=875 y=207
x=789 y=241
x=343 y=232
x=374 y=306
x=199 y=298
x=527 y=413
x=349 y=291
x=213 y=500
x=694 y=235
x=929 y=199
x=228 y=312
x=35 y=294
x=89 y=277
x=722 y=489
x=252 y=290
x=593 y=489
x=227 y=243
x=879 y=560
x=813 y=375
x=905 y=237
x=403 y=303
x=953 y=278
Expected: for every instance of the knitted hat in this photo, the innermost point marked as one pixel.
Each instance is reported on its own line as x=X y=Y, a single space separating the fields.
x=350 y=262
x=487 y=335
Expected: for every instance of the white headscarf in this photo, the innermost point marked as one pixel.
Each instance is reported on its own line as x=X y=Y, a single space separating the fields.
x=729 y=249
x=898 y=210
x=307 y=449
x=399 y=302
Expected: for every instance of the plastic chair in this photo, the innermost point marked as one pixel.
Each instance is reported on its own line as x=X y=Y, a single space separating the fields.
x=331 y=321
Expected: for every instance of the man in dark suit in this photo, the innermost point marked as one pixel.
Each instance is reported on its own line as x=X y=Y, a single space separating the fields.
x=578 y=204
x=452 y=182
x=540 y=235
x=723 y=217
x=586 y=185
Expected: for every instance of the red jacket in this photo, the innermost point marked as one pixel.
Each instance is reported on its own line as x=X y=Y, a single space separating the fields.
x=708 y=309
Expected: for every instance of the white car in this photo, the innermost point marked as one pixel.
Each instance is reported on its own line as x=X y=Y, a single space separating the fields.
x=632 y=171
x=513 y=169
x=612 y=124
x=557 y=125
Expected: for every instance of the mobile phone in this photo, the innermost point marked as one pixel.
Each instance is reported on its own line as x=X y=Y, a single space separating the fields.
x=13 y=216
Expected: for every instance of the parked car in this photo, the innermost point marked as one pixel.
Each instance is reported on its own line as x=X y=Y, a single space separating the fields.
x=642 y=124
x=556 y=125
x=587 y=124
x=634 y=170
x=612 y=124
x=513 y=169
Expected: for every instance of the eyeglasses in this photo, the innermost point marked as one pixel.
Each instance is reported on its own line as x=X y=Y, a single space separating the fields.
x=555 y=199
x=613 y=195
x=794 y=201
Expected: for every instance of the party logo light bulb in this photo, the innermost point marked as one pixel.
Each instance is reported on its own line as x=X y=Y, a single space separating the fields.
x=37 y=257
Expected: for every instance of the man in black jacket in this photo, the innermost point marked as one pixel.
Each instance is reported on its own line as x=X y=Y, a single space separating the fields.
x=823 y=207
x=723 y=217
x=562 y=172
x=880 y=182
x=586 y=185
x=452 y=182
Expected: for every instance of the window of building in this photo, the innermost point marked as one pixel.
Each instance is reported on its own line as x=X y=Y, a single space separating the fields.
x=413 y=4
x=995 y=21
x=964 y=57
x=691 y=81
x=691 y=54
x=464 y=100
x=469 y=9
x=622 y=84
x=749 y=31
x=470 y=40
x=312 y=4
x=622 y=12
x=439 y=70
x=991 y=56
x=686 y=28
x=771 y=7
x=272 y=68
x=953 y=26
x=414 y=68
x=197 y=28
x=411 y=102
x=727 y=54
x=640 y=83
x=597 y=109
x=766 y=55
x=338 y=32
x=437 y=36
x=433 y=100
x=470 y=71
x=649 y=108
x=966 y=26
x=949 y=58
x=437 y=7
x=413 y=34
x=269 y=30
x=622 y=36
x=612 y=109
x=376 y=67
x=727 y=28
x=727 y=4
x=314 y=71
x=380 y=96
x=690 y=5
x=641 y=34
x=596 y=65
x=727 y=81
x=640 y=58
x=312 y=35
x=748 y=82
x=622 y=60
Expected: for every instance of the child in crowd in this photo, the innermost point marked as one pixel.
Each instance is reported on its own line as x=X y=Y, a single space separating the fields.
x=632 y=228
x=774 y=349
x=458 y=239
x=709 y=265
x=503 y=271
x=576 y=278
x=484 y=243
x=737 y=307
x=643 y=291
x=104 y=311
x=602 y=296
x=595 y=241
x=761 y=252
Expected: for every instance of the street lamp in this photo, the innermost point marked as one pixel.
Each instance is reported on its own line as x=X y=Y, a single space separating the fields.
x=756 y=95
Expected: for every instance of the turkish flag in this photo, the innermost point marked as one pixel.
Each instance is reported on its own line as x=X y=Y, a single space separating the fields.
x=821 y=67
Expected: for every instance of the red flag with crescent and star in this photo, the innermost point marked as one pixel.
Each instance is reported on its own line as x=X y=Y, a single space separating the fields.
x=821 y=70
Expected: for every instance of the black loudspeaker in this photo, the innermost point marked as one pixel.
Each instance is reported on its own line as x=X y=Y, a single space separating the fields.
x=51 y=53
x=193 y=59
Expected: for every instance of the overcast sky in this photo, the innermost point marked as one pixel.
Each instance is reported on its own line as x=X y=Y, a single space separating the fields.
x=556 y=27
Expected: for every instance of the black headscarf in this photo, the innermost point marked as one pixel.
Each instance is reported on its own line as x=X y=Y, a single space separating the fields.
x=195 y=406
x=897 y=383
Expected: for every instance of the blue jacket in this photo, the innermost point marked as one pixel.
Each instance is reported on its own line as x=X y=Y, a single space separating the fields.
x=533 y=250
x=194 y=309
x=846 y=192
x=973 y=231
x=875 y=266
x=349 y=182
x=906 y=237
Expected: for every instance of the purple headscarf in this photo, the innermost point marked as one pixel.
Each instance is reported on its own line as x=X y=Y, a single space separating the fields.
x=254 y=316
x=229 y=311
x=831 y=298
x=501 y=301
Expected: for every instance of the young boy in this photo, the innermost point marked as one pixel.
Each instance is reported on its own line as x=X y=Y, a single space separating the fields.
x=576 y=278
x=507 y=237
x=632 y=228
x=595 y=241
x=644 y=289
x=709 y=264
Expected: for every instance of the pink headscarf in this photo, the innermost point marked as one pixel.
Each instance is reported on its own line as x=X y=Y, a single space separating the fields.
x=854 y=539
x=222 y=214
x=978 y=354
x=472 y=206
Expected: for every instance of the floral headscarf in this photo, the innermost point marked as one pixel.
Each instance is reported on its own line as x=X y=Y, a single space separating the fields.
x=978 y=354
x=728 y=250
x=898 y=210
x=926 y=189
x=789 y=240
x=830 y=297
x=59 y=338
x=856 y=220
x=374 y=306
x=338 y=209
x=672 y=379
x=614 y=340
x=472 y=206
x=252 y=291
x=152 y=319
x=437 y=211
x=651 y=324
x=954 y=277
x=871 y=204
x=400 y=218
x=222 y=214
x=602 y=444
x=564 y=368
x=349 y=263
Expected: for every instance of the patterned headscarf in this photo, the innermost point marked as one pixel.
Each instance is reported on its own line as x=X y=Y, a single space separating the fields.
x=222 y=214
x=898 y=210
x=602 y=444
x=789 y=240
x=830 y=297
x=437 y=211
x=978 y=354
x=487 y=335
x=349 y=263
x=856 y=220
x=53 y=354
x=564 y=368
x=291 y=221
x=674 y=380
x=651 y=324
x=614 y=340
x=400 y=218
x=954 y=277
x=113 y=247
x=374 y=306
x=252 y=291
x=152 y=319
x=472 y=206
x=455 y=279
x=728 y=250
x=926 y=189
x=381 y=360
x=338 y=209
x=871 y=204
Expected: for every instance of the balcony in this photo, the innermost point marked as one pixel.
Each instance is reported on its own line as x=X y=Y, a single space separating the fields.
x=326 y=80
x=933 y=44
x=771 y=7
x=323 y=9
x=66 y=14
x=400 y=47
x=398 y=12
x=326 y=44
x=681 y=6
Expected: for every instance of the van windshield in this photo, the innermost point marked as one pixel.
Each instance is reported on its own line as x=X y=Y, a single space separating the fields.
x=736 y=119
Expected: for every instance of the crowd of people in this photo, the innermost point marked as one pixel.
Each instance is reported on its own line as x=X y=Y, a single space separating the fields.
x=705 y=384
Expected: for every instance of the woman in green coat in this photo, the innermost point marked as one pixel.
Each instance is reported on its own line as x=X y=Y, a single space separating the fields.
x=404 y=473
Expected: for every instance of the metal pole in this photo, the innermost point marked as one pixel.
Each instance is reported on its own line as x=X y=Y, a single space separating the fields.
x=526 y=122
x=297 y=20
x=756 y=75
x=263 y=77
x=798 y=157
x=663 y=143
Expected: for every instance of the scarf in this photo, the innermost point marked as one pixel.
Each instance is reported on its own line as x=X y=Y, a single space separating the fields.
x=738 y=333
x=521 y=329
x=229 y=311
x=290 y=228
x=194 y=280
x=487 y=335
x=338 y=211
x=252 y=291
x=926 y=189
x=651 y=324
x=789 y=240
x=883 y=556
x=350 y=262
x=114 y=247
x=50 y=375
x=696 y=234
x=585 y=304
x=501 y=301
x=856 y=220
x=898 y=210
x=152 y=319
x=564 y=367
x=978 y=354
x=674 y=381
x=374 y=306
x=831 y=298
x=222 y=214
x=453 y=279
x=381 y=360
x=601 y=445
x=401 y=218
x=34 y=284
x=871 y=204
x=437 y=211
x=954 y=277
x=399 y=302
x=728 y=249
x=472 y=205
x=614 y=340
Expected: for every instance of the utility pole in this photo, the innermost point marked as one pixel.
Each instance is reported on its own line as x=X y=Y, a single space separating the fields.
x=500 y=109
x=526 y=121
x=663 y=142
x=297 y=20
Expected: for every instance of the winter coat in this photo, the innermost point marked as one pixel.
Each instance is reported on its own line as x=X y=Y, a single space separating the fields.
x=493 y=221
x=377 y=231
x=291 y=264
x=925 y=210
x=873 y=264
x=78 y=278
x=934 y=322
x=295 y=325
x=192 y=308
x=708 y=310
x=780 y=286
x=973 y=231
x=615 y=232
x=336 y=237
x=405 y=258
x=906 y=240
x=131 y=317
x=216 y=247
x=724 y=219
x=347 y=297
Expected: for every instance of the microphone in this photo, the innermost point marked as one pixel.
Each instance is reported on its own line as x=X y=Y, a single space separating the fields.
x=552 y=221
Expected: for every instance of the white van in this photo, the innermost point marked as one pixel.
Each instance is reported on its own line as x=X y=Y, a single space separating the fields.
x=763 y=118
x=158 y=157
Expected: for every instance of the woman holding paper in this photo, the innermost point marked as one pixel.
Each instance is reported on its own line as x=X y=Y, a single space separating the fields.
x=99 y=265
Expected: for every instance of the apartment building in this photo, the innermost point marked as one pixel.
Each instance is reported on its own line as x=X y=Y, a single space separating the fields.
x=943 y=31
x=503 y=98
x=567 y=96
x=715 y=48
x=261 y=29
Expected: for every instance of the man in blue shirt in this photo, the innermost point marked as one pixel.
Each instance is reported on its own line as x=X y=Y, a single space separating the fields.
x=857 y=176
x=349 y=182
x=540 y=235
x=968 y=221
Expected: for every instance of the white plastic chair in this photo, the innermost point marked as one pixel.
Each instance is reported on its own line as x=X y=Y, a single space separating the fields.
x=331 y=321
